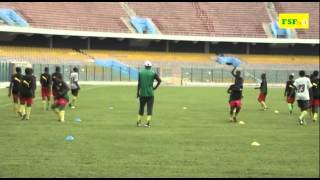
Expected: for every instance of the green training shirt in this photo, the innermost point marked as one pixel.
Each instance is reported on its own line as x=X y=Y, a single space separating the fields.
x=146 y=78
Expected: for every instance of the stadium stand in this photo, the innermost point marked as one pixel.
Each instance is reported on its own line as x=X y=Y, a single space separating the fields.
x=279 y=59
x=220 y=19
x=171 y=18
x=84 y=16
x=303 y=7
x=237 y=19
x=42 y=55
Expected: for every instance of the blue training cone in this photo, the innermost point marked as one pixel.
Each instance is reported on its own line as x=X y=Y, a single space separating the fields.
x=69 y=138
x=78 y=120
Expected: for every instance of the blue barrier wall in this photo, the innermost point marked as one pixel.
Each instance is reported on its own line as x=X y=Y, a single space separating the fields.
x=117 y=66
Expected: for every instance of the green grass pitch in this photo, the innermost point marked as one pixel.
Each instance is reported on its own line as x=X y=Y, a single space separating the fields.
x=194 y=142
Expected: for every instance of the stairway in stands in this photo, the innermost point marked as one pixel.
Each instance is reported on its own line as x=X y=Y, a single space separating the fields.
x=204 y=17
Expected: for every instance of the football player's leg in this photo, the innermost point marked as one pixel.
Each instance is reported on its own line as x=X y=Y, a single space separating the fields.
x=22 y=107
x=231 y=113
x=150 y=103
x=43 y=96
x=316 y=110
x=28 y=108
x=141 y=108
x=62 y=102
x=16 y=103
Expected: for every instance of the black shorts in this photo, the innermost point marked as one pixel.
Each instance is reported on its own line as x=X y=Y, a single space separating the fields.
x=146 y=100
x=303 y=104
x=75 y=92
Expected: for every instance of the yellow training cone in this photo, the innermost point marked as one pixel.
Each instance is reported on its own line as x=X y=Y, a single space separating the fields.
x=255 y=144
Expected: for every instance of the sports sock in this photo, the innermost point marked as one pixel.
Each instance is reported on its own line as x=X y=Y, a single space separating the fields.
x=290 y=106
x=23 y=109
x=16 y=107
x=148 y=119
x=303 y=114
x=264 y=105
x=28 y=111
x=315 y=116
x=43 y=104
x=61 y=115
x=48 y=104
x=73 y=102
x=139 y=118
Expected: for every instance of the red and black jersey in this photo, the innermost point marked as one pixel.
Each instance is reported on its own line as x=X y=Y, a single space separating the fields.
x=235 y=93
x=28 y=86
x=15 y=83
x=54 y=76
x=62 y=90
x=315 y=88
x=45 y=80
x=264 y=87
x=289 y=91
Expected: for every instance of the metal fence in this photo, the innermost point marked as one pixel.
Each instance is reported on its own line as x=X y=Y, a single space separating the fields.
x=173 y=75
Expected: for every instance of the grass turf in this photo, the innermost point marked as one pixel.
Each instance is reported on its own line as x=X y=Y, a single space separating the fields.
x=194 y=142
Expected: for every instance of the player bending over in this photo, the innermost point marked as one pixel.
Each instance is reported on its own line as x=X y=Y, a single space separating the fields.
x=74 y=78
x=14 y=89
x=263 y=91
x=45 y=81
x=234 y=101
x=61 y=98
x=145 y=91
x=289 y=92
x=27 y=92
x=302 y=86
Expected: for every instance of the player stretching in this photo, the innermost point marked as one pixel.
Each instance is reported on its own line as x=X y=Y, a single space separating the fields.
x=45 y=80
x=302 y=86
x=145 y=91
x=74 y=78
x=61 y=98
x=238 y=79
x=27 y=92
x=234 y=101
x=315 y=81
x=263 y=91
x=14 y=89
x=290 y=93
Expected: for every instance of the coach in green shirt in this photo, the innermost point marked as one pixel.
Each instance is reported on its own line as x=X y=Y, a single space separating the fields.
x=145 y=91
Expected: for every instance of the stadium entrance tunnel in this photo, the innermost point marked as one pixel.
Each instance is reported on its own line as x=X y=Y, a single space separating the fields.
x=117 y=66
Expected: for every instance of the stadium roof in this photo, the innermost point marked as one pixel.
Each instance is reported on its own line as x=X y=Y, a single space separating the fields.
x=54 y=32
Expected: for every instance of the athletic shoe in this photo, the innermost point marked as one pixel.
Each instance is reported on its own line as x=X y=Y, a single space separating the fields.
x=23 y=117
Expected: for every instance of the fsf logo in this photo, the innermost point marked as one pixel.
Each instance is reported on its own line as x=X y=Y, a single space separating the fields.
x=294 y=21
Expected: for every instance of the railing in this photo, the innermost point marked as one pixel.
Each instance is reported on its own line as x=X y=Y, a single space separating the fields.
x=170 y=73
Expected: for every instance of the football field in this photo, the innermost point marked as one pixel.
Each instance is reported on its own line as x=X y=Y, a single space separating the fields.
x=195 y=141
